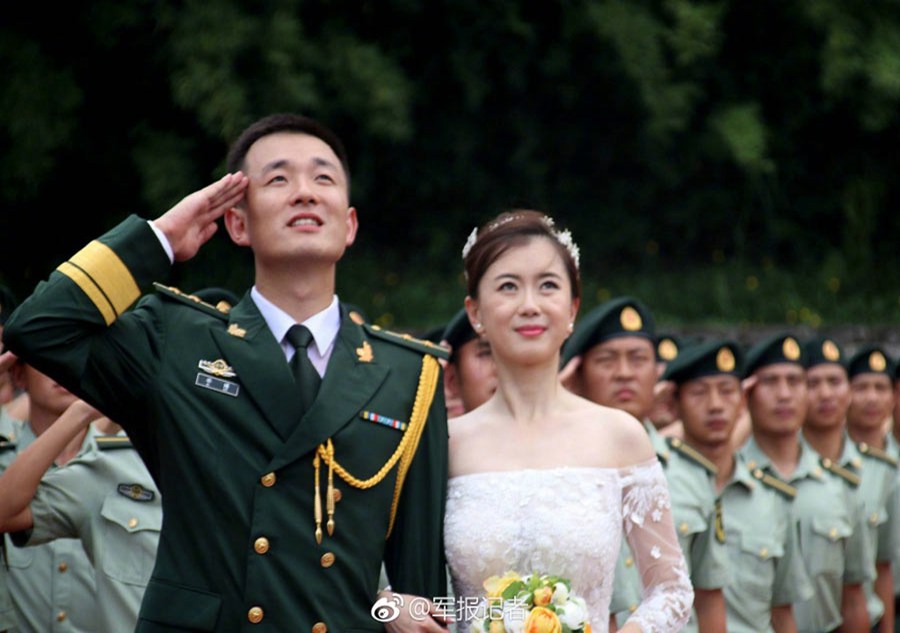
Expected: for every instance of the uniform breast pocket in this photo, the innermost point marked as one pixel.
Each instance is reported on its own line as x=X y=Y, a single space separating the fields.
x=19 y=557
x=690 y=523
x=754 y=570
x=825 y=552
x=131 y=534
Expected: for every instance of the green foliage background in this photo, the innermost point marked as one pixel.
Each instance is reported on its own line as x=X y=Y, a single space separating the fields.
x=729 y=162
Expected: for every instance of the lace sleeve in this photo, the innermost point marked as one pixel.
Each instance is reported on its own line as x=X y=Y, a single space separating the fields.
x=666 y=595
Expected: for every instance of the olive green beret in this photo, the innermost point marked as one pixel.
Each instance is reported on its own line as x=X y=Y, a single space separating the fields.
x=623 y=316
x=710 y=358
x=780 y=348
x=458 y=332
x=821 y=350
x=871 y=359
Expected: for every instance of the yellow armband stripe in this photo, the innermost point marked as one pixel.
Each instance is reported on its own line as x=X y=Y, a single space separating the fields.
x=104 y=278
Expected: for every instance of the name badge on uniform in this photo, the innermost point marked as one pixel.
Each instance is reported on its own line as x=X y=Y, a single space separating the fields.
x=135 y=491
x=217 y=384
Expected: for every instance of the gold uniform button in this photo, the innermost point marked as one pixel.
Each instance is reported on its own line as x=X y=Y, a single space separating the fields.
x=873 y=518
x=268 y=480
x=255 y=615
x=132 y=522
x=261 y=545
x=63 y=567
x=338 y=494
x=763 y=552
x=826 y=463
x=327 y=559
x=833 y=534
x=632 y=608
x=61 y=616
x=683 y=528
x=319 y=627
x=629 y=562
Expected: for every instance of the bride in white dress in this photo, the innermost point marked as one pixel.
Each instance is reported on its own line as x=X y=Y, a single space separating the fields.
x=542 y=480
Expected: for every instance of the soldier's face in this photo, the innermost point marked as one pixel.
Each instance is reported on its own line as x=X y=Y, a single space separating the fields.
x=472 y=377
x=44 y=393
x=296 y=204
x=709 y=408
x=621 y=373
x=871 y=401
x=829 y=396
x=525 y=304
x=778 y=401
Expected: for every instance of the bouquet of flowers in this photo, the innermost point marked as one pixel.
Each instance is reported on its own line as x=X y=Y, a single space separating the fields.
x=536 y=603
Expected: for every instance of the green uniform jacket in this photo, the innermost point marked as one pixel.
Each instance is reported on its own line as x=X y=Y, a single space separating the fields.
x=202 y=395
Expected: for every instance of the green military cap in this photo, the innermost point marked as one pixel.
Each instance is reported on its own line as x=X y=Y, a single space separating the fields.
x=780 y=348
x=871 y=359
x=706 y=359
x=623 y=316
x=821 y=350
x=8 y=303
x=458 y=332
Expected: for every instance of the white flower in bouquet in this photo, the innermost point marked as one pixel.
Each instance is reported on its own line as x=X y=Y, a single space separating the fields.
x=574 y=614
x=560 y=593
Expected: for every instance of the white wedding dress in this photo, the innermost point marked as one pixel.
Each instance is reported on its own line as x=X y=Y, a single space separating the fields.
x=569 y=522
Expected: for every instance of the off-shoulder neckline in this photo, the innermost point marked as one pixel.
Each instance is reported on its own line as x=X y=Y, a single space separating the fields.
x=618 y=470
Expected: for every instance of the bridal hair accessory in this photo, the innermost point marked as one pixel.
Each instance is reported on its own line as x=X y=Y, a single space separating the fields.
x=563 y=237
x=535 y=602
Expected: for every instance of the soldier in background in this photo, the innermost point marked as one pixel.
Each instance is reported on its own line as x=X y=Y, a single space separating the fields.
x=833 y=538
x=613 y=352
x=871 y=371
x=767 y=572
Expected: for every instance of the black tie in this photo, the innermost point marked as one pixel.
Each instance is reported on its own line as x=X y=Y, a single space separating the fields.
x=305 y=375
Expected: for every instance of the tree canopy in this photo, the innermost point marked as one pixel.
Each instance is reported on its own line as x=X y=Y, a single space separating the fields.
x=726 y=160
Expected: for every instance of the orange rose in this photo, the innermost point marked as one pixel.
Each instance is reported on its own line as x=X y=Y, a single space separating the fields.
x=542 y=620
x=542 y=596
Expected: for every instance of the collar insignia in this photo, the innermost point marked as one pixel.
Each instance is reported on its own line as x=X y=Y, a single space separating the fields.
x=364 y=353
x=217 y=368
x=236 y=330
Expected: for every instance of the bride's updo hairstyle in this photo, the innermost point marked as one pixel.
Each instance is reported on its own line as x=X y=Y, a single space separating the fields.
x=511 y=229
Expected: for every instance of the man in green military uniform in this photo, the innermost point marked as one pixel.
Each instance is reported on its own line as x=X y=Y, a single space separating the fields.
x=618 y=368
x=767 y=572
x=833 y=538
x=295 y=447
x=870 y=371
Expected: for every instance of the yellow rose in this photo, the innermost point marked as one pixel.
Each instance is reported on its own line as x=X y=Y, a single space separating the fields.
x=587 y=628
x=542 y=620
x=542 y=596
x=495 y=585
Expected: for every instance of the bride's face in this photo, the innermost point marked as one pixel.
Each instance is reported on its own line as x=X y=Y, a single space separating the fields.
x=525 y=306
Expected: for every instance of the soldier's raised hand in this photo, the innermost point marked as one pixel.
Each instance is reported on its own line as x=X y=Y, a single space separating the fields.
x=192 y=222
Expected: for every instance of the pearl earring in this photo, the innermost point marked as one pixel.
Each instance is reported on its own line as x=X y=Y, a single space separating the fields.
x=571 y=326
x=478 y=326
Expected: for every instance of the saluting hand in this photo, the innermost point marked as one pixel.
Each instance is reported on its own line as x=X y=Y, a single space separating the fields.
x=192 y=222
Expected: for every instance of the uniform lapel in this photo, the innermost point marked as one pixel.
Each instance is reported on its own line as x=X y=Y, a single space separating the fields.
x=259 y=362
x=349 y=383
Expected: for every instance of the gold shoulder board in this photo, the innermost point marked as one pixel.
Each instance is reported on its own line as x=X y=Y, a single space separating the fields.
x=171 y=292
x=407 y=340
x=109 y=442
x=848 y=476
x=878 y=454
x=776 y=484
x=691 y=454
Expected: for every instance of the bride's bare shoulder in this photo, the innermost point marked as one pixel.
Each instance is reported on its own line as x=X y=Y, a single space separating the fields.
x=616 y=427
